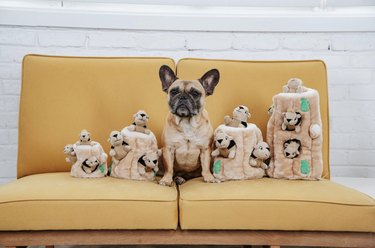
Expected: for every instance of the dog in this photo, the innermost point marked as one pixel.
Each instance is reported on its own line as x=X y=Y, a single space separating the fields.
x=188 y=134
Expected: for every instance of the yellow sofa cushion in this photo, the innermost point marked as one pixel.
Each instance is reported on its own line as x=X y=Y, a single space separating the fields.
x=62 y=95
x=275 y=204
x=254 y=83
x=56 y=201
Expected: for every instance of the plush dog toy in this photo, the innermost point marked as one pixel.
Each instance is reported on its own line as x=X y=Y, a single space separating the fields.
x=140 y=122
x=119 y=148
x=84 y=138
x=71 y=155
x=294 y=85
x=225 y=145
x=292 y=148
x=292 y=121
x=260 y=155
x=148 y=165
x=239 y=119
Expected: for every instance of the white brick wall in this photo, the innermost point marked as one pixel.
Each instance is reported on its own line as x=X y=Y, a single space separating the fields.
x=350 y=58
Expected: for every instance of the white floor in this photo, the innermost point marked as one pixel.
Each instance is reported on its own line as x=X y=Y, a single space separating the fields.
x=365 y=185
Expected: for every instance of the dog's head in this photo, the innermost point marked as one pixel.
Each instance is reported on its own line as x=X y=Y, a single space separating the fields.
x=186 y=97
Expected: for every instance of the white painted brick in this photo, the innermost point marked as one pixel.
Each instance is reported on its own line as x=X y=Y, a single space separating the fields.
x=352 y=125
x=349 y=76
x=10 y=71
x=362 y=157
x=8 y=153
x=4 y=181
x=8 y=120
x=353 y=42
x=305 y=42
x=364 y=60
x=362 y=92
x=255 y=42
x=8 y=169
x=352 y=141
x=352 y=171
x=338 y=157
x=161 y=41
x=4 y=137
x=62 y=39
x=331 y=60
x=338 y=92
x=16 y=36
x=12 y=136
x=111 y=39
x=208 y=41
x=11 y=87
x=16 y=53
x=9 y=103
x=352 y=109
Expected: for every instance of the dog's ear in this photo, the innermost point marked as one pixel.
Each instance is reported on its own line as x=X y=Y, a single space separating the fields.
x=209 y=81
x=167 y=77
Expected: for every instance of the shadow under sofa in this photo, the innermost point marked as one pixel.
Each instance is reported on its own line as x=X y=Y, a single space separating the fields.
x=62 y=95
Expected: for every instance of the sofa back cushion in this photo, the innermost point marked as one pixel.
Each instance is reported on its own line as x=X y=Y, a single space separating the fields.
x=62 y=95
x=253 y=83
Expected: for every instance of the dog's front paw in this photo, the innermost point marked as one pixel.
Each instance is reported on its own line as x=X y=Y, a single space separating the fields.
x=209 y=178
x=166 y=181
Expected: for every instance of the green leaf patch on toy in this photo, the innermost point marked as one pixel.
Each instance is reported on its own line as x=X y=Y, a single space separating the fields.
x=305 y=105
x=305 y=167
x=101 y=168
x=217 y=166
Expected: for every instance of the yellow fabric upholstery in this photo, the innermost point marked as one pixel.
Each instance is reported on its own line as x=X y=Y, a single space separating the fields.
x=57 y=201
x=253 y=83
x=62 y=95
x=275 y=204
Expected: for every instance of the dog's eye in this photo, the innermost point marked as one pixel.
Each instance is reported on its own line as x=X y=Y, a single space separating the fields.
x=194 y=93
x=174 y=91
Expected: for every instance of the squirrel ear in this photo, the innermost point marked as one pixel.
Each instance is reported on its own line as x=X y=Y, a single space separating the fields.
x=159 y=152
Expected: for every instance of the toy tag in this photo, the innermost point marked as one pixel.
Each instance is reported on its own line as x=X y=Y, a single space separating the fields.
x=217 y=166
x=101 y=168
x=305 y=167
x=305 y=105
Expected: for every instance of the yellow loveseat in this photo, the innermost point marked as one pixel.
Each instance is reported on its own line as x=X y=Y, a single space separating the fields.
x=62 y=95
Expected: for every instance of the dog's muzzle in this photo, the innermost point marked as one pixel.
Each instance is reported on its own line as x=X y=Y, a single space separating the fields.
x=183 y=106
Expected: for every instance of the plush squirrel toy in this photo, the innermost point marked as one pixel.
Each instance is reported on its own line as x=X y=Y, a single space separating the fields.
x=140 y=122
x=260 y=155
x=148 y=165
x=84 y=138
x=119 y=148
x=292 y=121
x=292 y=148
x=239 y=119
x=294 y=85
x=225 y=145
x=71 y=156
x=90 y=165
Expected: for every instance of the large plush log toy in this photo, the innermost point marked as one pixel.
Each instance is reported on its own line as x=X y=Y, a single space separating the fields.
x=294 y=133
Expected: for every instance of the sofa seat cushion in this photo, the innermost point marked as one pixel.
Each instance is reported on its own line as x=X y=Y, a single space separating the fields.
x=58 y=201
x=274 y=204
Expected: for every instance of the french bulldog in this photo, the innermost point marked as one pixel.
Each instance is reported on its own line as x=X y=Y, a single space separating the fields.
x=187 y=134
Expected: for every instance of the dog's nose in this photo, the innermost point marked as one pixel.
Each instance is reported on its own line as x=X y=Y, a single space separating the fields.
x=219 y=140
x=115 y=135
x=183 y=97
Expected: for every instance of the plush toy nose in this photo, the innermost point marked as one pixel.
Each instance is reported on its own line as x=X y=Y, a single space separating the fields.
x=287 y=154
x=220 y=140
x=83 y=136
x=155 y=161
x=115 y=135
x=288 y=119
x=143 y=115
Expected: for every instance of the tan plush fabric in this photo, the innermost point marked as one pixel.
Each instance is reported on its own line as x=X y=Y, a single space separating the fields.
x=238 y=168
x=140 y=144
x=275 y=204
x=309 y=163
x=57 y=201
